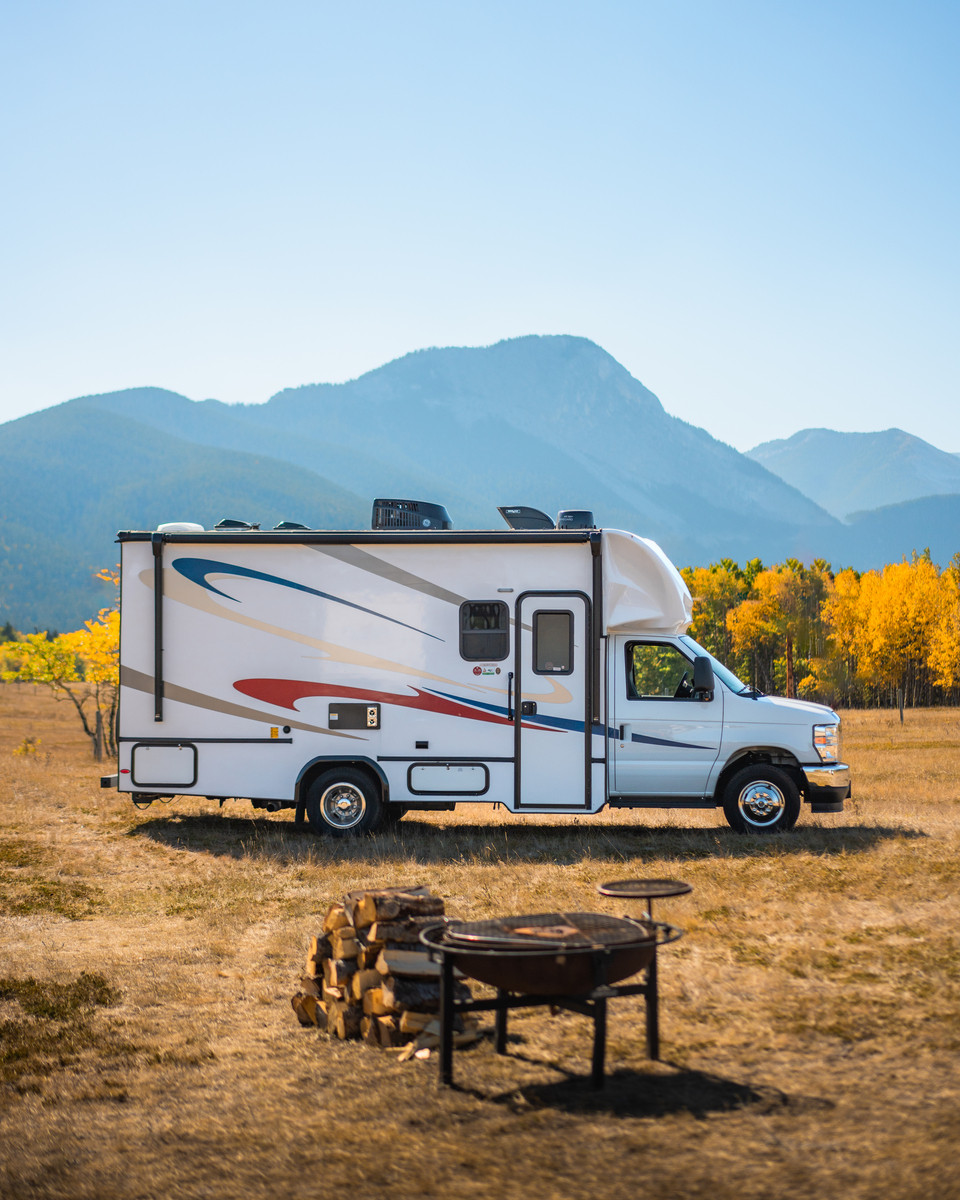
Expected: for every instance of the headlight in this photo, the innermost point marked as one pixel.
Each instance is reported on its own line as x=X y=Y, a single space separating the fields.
x=826 y=742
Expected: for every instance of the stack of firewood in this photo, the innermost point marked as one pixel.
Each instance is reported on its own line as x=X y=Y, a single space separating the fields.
x=368 y=976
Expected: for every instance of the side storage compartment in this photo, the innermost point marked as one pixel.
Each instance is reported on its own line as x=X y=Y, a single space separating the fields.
x=161 y=765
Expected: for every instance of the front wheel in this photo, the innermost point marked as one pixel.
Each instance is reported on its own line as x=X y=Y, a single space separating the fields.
x=343 y=803
x=761 y=799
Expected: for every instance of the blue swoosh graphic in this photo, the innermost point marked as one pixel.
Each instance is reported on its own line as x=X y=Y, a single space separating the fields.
x=197 y=570
x=571 y=725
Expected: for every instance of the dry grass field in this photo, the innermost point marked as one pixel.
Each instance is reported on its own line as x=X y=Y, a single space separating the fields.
x=810 y=1016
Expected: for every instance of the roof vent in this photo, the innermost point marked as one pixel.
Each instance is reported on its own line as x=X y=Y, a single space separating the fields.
x=284 y=525
x=575 y=518
x=518 y=516
x=228 y=525
x=180 y=527
x=409 y=514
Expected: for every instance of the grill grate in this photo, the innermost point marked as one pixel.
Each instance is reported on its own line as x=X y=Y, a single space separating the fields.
x=541 y=931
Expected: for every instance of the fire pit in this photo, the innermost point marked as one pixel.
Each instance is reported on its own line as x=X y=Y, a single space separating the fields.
x=567 y=960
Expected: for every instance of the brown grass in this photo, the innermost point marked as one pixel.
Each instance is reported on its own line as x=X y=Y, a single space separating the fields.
x=811 y=1014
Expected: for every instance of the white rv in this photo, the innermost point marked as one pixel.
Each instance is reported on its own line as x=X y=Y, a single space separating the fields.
x=355 y=676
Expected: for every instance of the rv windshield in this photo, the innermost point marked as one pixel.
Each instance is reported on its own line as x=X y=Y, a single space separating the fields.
x=724 y=673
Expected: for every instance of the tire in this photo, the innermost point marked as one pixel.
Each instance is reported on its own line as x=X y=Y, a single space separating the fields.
x=761 y=799
x=344 y=802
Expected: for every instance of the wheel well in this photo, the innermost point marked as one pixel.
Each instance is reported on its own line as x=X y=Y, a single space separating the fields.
x=319 y=766
x=774 y=758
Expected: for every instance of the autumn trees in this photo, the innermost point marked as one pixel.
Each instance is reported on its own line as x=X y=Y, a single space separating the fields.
x=845 y=638
x=81 y=667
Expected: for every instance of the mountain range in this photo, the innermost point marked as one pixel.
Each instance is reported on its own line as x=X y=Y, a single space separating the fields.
x=553 y=422
x=848 y=473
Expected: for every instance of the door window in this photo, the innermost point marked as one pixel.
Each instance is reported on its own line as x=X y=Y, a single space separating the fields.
x=553 y=643
x=657 y=671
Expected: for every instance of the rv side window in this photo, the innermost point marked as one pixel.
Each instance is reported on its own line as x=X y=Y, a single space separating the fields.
x=656 y=671
x=553 y=643
x=484 y=630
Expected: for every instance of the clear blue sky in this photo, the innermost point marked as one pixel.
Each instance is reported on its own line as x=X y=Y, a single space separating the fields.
x=752 y=205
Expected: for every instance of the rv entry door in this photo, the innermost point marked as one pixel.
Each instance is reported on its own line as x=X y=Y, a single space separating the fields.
x=551 y=725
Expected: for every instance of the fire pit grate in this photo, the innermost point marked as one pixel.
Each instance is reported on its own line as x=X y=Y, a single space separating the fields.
x=549 y=931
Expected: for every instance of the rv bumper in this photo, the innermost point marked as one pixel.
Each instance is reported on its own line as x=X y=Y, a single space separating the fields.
x=827 y=787
x=109 y=781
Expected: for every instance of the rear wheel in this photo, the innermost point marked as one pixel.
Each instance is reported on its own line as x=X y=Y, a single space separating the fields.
x=761 y=799
x=344 y=802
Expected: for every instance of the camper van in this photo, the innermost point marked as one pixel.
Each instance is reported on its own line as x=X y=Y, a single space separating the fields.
x=355 y=676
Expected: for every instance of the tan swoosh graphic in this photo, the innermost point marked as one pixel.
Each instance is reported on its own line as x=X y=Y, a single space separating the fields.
x=176 y=587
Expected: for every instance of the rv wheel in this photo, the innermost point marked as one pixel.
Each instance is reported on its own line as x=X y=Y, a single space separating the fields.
x=761 y=799
x=343 y=802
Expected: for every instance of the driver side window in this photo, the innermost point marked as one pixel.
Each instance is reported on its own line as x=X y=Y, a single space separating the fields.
x=656 y=671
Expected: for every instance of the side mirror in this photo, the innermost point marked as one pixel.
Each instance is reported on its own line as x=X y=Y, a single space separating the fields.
x=703 y=680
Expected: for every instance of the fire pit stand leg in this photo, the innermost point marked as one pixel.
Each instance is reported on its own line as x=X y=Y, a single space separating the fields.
x=500 y=1027
x=446 y=1019
x=653 y=1010
x=599 y=1040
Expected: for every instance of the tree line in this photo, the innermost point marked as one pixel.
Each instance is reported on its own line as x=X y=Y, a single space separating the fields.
x=850 y=639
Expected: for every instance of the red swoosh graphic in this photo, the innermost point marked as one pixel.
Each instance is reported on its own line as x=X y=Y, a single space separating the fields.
x=284 y=693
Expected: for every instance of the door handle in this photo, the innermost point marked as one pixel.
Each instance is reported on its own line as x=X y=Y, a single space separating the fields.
x=509 y=695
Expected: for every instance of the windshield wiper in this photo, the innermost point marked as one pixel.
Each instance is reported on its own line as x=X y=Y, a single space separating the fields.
x=750 y=691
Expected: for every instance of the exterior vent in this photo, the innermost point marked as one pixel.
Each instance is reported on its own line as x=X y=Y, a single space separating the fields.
x=409 y=514
x=229 y=525
x=575 y=518
x=518 y=516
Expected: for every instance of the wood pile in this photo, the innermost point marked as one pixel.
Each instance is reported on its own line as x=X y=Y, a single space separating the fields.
x=368 y=975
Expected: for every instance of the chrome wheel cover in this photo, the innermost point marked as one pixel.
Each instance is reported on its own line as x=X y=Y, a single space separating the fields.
x=761 y=803
x=343 y=805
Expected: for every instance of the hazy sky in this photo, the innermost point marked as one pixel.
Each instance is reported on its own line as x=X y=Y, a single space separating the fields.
x=752 y=205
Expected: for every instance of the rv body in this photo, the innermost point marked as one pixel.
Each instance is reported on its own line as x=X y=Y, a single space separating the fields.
x=354 y=676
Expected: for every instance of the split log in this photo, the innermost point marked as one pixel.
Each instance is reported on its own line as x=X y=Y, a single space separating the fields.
x=362 y=981
x=310 y=987
x=369 y=1032
x=415 y=1022
x=335 y=918
x=343 y=942
x=352 y=899
x=367 y=950
x=337 y=971
x=409 y=963
x=388 y=1032
x=375 y=1003
x=309 y=1011
x=313 y=966
x=420 y=994
x=300 y=1008
x=347 y=1021
x=404 y=931
x=320 y=946
x=387 y=906
x=332 y=995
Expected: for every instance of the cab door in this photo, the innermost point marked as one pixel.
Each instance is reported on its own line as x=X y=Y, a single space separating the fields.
x=551 y=728
x=665 y=739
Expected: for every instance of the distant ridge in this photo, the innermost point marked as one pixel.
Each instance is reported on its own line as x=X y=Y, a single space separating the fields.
x=555 y=422
x=854 y=472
